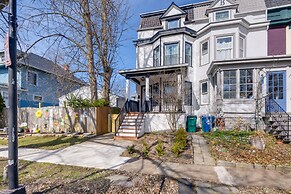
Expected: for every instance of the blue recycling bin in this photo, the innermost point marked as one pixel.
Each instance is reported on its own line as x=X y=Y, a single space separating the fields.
x=208 y=122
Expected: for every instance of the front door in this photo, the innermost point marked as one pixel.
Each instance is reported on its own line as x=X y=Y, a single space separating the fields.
x=276 y=88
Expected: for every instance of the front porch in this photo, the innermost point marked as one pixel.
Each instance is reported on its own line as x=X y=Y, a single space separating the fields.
x=158 y=89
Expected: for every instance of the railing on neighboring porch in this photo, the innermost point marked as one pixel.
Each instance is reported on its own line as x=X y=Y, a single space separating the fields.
x=283 y=119
x=154 y=106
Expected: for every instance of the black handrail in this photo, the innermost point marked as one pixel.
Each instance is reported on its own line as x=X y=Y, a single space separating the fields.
x=274 y=110
x=138 y=124
x=121 y=116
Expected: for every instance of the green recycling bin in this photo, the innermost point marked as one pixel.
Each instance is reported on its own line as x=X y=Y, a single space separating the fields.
x=191 y=124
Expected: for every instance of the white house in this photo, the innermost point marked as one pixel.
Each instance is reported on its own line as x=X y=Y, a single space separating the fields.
x=216 y=57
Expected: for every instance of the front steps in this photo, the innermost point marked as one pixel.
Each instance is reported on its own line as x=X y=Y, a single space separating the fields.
x=132 y=127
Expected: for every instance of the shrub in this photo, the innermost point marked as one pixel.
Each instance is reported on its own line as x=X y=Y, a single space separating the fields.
x=177 y=148
x=180 y=142
x=115 y=110
x=160 y=148
x=77 y=102
x=145 y=149
x=130 y=149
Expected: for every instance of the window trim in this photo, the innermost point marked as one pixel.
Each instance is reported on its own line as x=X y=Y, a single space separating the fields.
x=232 y=36
x=208 y=51
x=191 y=53
x=29 y=71
x=215 y=19
x=158 y=56
x=236 y=84
x=244 y=46
x=174 y=19
x=164 y=52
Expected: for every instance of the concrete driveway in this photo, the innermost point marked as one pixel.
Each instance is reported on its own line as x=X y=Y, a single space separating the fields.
x=102 y=152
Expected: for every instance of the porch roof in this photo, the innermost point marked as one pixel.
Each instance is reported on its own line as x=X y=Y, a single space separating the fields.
x=254 y=62
x=151 y=70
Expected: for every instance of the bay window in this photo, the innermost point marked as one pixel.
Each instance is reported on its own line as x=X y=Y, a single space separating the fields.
x=188 y=53
x=229 y=84
x=246 y=83
x=224 y=48
x=241 y=47
x=156 y=56
x=171 y=54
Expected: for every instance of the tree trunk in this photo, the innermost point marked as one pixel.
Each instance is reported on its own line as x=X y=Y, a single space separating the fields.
x=90 y=51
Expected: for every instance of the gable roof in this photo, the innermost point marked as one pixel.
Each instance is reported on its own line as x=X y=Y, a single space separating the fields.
x=40 y=63
x=277 y=3
x=216 y=1
x=173 y=6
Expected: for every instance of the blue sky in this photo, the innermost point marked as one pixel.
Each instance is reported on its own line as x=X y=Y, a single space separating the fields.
x=127 y=51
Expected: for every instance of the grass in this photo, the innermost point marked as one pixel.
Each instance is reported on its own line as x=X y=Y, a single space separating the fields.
x=46 y=142
x=235 y=146
x=45 y=177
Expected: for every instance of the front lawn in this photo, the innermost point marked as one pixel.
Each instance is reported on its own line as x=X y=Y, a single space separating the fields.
x=48 y=142
x=53 y=178
x=234 y=146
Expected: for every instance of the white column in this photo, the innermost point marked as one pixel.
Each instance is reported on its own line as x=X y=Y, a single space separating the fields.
x=127 y=89
x=147 y=83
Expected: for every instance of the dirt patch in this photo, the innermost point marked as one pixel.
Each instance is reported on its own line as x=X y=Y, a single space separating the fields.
x=234 y=146
x=167 y=141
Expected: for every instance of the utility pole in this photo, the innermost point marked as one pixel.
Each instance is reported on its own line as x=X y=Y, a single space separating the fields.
x=12 y=109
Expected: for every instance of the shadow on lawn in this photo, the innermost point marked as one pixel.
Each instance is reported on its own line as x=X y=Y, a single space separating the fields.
x=59 y=142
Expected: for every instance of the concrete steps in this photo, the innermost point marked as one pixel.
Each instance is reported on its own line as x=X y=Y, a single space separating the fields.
x=131 y=126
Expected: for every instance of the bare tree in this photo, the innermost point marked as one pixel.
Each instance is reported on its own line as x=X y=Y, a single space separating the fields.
x=86 y=32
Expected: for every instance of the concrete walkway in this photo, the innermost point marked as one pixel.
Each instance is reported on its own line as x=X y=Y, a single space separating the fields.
x=101 y=152
x=201 y=152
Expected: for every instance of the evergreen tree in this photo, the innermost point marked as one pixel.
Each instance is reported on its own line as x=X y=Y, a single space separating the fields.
x=2 y=103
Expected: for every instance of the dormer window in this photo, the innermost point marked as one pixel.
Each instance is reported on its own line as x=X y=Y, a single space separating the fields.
x=222 y=16
x=175 y=23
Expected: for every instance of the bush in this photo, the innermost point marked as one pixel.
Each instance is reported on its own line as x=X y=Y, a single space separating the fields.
x=145 y=149
x=180 y=142
x=76 y=102
x=160 y=148
x=115 y=110
x=130 y=149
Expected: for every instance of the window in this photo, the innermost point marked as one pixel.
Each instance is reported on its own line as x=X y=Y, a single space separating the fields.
x=173 y=24
x=246 y=83
x=32 y=78
x=205 y=53
x=37 y=98
x=224 y=48
x=170 y=92
x=188 y=53
x=204 y=89
x=241 y=47
x=157 y=56
x=2 y=58
x=229 y=84
x=188 y=93
x=221 y=16
x=171 y=54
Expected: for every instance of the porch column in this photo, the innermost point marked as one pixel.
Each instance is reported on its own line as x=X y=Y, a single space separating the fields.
x=219 y=86
x=127 y=89
x=147 y=93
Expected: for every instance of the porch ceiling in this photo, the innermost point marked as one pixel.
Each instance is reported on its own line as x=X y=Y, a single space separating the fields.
x=130 y=73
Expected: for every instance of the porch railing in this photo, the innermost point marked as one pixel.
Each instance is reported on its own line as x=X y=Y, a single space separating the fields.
x=138 y=123
x=276 y=112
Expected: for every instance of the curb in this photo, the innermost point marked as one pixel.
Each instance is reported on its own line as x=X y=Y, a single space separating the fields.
x=252 y=166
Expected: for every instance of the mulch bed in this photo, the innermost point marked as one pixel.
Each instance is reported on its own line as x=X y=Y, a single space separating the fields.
x=234 y=147
x=186 y=157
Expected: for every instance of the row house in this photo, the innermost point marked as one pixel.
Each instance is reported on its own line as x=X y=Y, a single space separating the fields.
x=228 y=58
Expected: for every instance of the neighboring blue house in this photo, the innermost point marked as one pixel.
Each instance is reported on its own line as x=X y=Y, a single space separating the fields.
x=39 y=80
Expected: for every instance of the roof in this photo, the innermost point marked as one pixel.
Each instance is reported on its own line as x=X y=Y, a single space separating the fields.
x=40 y=63
x=197 y=11
x=277 y=3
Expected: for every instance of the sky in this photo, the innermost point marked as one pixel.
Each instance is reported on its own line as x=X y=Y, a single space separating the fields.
x=127 y=51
